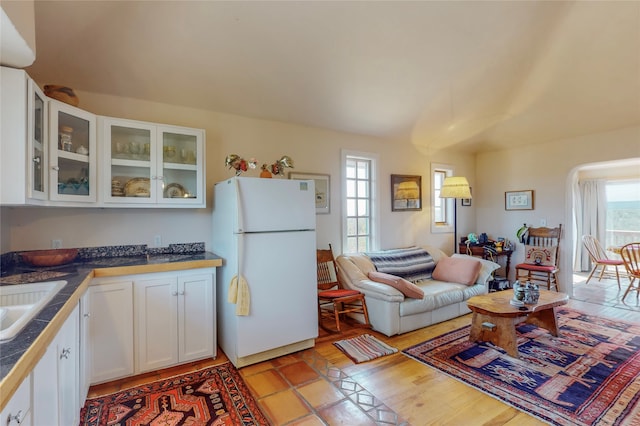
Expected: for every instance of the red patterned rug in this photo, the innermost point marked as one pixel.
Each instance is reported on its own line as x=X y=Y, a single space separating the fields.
x=213 y=396
x=588 y=376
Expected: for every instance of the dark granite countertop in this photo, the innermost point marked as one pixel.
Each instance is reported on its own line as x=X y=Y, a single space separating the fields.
x=76 y=273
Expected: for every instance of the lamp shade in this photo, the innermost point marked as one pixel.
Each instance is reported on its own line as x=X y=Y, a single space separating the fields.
x=455 y=187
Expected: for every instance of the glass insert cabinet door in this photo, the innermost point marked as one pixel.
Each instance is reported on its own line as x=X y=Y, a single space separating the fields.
x=130 y=152
x=37 y=142
x=72 y=153
x=181 y=159
x=152 y=164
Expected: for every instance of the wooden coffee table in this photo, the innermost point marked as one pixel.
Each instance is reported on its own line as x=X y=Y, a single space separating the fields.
x=495 y=319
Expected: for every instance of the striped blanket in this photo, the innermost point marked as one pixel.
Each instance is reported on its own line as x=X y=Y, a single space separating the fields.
x=364 y=348
x=412 y=263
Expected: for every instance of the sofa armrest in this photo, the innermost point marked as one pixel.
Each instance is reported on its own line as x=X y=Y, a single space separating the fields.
x=379 y=291
x=352 y=277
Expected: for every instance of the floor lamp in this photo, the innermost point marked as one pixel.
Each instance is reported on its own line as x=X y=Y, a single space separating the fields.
x=455 y=187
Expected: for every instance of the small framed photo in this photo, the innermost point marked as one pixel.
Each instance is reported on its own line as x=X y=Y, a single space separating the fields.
x=323 y=188
x=518 y=200
x=466 y=201
x=406 y=193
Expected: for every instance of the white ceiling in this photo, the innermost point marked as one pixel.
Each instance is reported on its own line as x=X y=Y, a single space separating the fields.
x=480 y=75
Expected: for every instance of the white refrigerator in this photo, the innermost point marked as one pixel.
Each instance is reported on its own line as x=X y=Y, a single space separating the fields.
x=264 y=230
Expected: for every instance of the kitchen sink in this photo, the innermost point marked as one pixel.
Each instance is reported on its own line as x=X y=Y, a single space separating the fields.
x=21 y=302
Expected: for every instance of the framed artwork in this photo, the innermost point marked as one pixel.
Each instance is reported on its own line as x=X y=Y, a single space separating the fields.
x=323 y=188
x=406 y=193
x=467 y=201
x=518 y=200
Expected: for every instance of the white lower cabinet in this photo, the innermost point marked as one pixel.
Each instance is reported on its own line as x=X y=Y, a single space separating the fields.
x=18 y=409
x=56 y=386
x=174 y=320
x=144 y=322
x=107 y=324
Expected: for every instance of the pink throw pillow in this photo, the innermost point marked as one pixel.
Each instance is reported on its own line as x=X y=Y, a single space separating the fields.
x=457 y=270
x=407 y=288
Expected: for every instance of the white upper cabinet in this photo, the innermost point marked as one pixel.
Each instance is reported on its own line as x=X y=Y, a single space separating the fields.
x=72 y=154
x=23 y=139
x=50 y=153
x=147 y=164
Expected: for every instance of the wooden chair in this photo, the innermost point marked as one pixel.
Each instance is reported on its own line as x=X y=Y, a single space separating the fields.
x=599 y=259
x=631 y=257
x=546 y=271
x=333 y=299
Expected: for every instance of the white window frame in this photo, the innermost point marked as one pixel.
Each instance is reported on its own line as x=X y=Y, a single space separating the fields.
x=447 y=227
x=375 y=196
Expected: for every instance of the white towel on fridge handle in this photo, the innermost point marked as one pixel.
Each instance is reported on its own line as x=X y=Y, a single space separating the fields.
x=239 y=295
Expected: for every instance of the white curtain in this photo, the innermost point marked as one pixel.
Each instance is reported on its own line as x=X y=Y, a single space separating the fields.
x=590 y=215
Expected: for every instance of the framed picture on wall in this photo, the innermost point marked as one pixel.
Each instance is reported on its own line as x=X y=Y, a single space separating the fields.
x=518 y=200
x=323 y=187
x=466 y=201
x=406 y=193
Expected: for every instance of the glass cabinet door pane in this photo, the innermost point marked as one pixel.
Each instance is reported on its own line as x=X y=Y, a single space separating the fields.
x=179 y=165
x=38 y=159
x=73 y=154
x=130 y=161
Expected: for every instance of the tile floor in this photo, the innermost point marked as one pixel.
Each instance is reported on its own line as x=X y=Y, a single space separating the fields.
x=605 y=292
x=306 y=389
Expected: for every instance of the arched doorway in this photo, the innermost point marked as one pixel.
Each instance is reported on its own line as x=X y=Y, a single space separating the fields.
x=609 y=170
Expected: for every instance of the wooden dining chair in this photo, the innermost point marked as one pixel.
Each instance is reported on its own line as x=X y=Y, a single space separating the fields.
x=334 y=301
x=599 y=259
x=630 y=254
x=541 y=257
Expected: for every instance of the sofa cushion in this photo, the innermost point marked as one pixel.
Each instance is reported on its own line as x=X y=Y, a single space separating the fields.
x=436 y=295
x=407 y=288
x=412 y=263
x=541 y=256
x=457 y=270
x=486 y=271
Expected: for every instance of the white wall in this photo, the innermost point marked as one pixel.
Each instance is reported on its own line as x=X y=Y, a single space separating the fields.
x=313 y=150
x=547 y=169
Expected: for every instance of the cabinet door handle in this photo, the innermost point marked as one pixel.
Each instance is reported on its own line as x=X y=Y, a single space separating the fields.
x=36 y=160
x=15 y=418
x=65 y=353
x=56 y=168
x=87 y=315
x=181 y=293
x=175 y=293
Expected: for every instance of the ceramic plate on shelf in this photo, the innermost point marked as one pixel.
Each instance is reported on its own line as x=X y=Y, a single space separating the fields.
x=137 y=187
x=174 y=190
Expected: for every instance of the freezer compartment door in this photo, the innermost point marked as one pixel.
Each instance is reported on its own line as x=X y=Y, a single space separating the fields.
x=275 y=204
x=280 y=270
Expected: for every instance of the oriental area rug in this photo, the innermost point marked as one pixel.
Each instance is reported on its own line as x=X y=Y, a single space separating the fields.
x=590 y=375
x=213 y=396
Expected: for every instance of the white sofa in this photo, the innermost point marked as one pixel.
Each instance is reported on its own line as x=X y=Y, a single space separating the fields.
x=391 y=312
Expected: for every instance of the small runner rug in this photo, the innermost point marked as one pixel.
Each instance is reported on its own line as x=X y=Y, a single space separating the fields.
x=212 y=396
x=364 y=348
x=588 y=376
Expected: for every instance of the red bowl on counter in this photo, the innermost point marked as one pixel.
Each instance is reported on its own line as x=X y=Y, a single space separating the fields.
x=52 y=257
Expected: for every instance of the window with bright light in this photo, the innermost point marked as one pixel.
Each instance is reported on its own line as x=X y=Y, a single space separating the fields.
x=359 y=198
x=441 y=208
x=623 y=212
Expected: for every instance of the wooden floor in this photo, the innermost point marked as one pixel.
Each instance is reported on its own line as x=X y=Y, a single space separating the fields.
x=321 y=386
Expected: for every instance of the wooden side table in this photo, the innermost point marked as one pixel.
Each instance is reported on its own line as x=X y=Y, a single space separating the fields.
x=478 y=250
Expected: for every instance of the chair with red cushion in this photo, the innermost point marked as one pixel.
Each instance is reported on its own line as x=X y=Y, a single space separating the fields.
x=599 y=258
x=334 y=300
x=630 y=254
x=541 y=257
